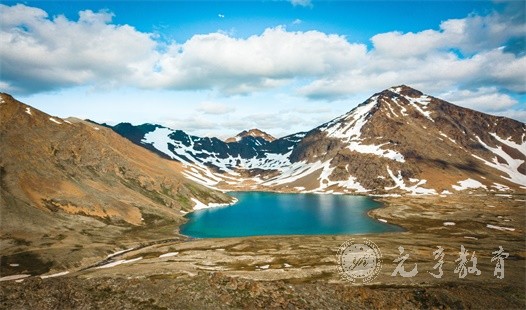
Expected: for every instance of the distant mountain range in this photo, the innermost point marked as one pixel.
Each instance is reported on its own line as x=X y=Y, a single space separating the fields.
x=399 y=141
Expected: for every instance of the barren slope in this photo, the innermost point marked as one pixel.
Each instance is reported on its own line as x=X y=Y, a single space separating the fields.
x=77 y=185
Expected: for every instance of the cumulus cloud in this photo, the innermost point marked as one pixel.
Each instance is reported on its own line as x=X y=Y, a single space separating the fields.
x=470 y=52
x=269 y=60
x=38 y=53
x=478 y=56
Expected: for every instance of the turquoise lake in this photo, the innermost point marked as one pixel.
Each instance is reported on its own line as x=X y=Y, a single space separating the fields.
x=262 y=213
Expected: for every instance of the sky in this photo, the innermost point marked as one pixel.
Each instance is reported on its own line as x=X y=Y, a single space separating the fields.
x=215 y=68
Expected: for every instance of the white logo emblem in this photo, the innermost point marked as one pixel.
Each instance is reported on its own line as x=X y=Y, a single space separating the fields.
x=359 y=260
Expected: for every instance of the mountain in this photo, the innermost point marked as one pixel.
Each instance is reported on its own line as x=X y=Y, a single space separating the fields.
x=399 y=141
x=210 y=161
x=76 y=185
x=259 y=135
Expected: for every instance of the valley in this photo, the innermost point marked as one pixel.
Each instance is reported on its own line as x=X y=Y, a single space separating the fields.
x=284 y=154
x=97 y=224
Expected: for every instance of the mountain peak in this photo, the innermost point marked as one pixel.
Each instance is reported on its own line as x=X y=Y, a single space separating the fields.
x=254 y=132
x=404 y=90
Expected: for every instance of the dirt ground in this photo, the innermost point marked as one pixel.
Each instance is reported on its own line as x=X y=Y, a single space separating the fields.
x=301 y=272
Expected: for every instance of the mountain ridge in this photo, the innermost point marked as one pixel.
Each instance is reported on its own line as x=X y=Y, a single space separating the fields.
x=73 y=185
x=395 y=136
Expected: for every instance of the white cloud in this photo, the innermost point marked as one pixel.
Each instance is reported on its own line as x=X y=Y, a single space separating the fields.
x=221 y=15
x=215 y=108
x=41 y=53
x=469 y=35
x=304 y=3
x=269 y=60
x=485 y=99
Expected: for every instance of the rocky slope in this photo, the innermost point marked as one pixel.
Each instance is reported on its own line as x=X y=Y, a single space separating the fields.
x=255 y=133
x=399 y=141
x=74 y=185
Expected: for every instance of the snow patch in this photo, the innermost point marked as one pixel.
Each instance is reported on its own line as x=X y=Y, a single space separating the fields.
x=54 y=121
x=376 y=150
x=28 y=110
x=420 y=104
x=350 y=125
x=449 y=224
x=500 y=228
x=55 y=275
x=414 y=189
x=168 y=254
x=519 y=147
x=325 y=182
x=500 y=187
x=200 y=206
x=14 y=277
x=468 y=183
x=444 y=135
x=119 y=262
x=159 y=139
x=512 y=166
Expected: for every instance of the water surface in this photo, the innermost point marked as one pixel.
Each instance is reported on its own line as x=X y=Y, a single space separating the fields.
x=263 y=213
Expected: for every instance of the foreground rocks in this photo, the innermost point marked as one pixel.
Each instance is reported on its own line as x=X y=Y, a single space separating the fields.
x=218 y=291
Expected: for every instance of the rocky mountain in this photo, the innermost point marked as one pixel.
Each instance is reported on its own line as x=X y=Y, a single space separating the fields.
x=74 y=185
x=210 y=161
x=399 y=141
x=255 y=133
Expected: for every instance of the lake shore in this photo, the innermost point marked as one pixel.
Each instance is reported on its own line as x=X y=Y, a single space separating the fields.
x=302 y=271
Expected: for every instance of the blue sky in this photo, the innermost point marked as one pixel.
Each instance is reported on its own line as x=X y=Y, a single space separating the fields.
x=218 y=67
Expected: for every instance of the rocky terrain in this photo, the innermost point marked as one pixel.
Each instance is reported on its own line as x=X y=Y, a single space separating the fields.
x=399 y=141
x=301 y=272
